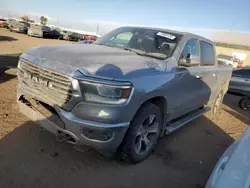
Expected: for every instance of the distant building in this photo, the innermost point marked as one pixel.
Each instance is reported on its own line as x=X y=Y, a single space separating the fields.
x=234 y=44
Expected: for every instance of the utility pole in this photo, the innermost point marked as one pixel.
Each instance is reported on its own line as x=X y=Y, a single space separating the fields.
x=9 y=13
x=57 y=20
x=97 y=29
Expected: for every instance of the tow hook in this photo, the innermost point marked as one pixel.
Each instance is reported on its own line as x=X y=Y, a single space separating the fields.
x=61 y=136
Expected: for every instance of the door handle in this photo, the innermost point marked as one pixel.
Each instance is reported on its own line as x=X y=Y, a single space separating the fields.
x=199 y=77
x=246 y=80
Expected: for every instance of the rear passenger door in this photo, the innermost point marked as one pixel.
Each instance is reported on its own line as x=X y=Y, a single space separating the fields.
x=240 y=81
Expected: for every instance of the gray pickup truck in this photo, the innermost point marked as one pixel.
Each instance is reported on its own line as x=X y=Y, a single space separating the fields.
x=124 y=91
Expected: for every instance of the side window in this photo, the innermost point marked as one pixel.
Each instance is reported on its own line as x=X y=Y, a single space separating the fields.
x=124 y=36
x=207 y=54
x=121 y=40
x=191 y=48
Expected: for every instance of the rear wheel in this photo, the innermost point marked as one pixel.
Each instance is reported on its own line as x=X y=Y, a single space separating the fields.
x=143 y=134
x=244 y=103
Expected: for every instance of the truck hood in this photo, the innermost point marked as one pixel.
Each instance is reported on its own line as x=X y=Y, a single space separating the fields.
x=91 y=59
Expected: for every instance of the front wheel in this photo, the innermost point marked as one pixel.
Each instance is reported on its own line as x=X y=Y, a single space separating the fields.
x=244 y=103
x=143 y=134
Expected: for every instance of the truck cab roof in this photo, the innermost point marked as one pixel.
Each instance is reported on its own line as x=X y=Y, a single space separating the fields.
x=184 y=34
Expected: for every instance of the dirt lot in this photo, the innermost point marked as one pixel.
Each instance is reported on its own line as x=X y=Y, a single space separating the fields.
x=31 y=158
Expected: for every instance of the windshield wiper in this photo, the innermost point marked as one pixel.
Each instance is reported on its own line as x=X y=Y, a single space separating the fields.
x=139 y=52
x=142 y=53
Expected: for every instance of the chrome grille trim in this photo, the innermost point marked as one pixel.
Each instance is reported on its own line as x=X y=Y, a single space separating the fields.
x=56 y=88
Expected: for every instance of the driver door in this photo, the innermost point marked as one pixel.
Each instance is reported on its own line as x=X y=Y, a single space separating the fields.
x=190 y=90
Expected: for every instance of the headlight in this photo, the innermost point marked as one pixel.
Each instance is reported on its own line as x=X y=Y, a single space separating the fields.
x=105 y=93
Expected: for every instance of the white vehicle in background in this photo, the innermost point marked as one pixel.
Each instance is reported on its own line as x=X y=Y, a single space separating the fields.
x=233 y=168
x=35 y=31
x=229 y=60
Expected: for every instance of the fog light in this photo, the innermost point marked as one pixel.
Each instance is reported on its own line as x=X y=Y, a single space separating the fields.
x=97 y=134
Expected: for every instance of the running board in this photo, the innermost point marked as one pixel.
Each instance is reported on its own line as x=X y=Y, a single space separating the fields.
x=171 y=127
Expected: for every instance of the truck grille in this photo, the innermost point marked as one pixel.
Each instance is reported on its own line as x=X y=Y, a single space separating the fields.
x=44 y=84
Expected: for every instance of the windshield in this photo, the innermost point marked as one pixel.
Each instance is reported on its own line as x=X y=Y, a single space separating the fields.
x=143 y=41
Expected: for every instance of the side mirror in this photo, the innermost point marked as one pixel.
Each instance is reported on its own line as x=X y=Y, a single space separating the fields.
x=189 y=60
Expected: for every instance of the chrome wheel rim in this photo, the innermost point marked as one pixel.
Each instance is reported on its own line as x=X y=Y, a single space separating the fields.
x=147 y=134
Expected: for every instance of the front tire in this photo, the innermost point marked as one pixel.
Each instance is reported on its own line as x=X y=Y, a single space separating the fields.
x=244 y=103
x=143 y=134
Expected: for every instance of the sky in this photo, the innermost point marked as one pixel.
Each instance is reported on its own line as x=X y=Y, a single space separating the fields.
x=199 y=16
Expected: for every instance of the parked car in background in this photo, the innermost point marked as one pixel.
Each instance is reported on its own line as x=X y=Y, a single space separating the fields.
x=8 y=22
x=74 y=37
x=19 y=27
x=89 y=37
x=86 y=42
x=240 y=81
x=46 y=31
x=124 y=91
x=35 y=31
x=230 y=60
x=65 y=35
x=232 y=169
x=223 y=63
x=53 y=34
x=2 y=22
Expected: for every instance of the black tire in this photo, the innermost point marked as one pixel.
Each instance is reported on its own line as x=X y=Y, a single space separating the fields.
x=217 y=103
x=128 y=150
x=244 y=103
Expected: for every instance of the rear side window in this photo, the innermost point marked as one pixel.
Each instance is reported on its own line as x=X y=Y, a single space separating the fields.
x=245 y=73
x=207 y=54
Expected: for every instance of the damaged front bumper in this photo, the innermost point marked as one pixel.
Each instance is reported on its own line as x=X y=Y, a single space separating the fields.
x=64 y=124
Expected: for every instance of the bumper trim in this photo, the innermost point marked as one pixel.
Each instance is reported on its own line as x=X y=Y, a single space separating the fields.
x=75 y=119
x=74 y=128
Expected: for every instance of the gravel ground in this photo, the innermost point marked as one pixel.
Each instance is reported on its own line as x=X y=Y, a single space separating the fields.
x=31 y=158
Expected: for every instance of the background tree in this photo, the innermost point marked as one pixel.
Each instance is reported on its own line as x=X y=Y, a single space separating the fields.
x=25 y=18
x=43 y=20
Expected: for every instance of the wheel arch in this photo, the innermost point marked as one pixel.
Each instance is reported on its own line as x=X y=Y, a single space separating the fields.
x=161 y=102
